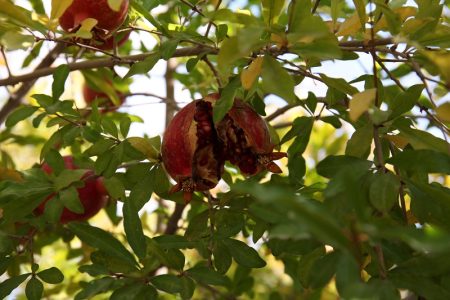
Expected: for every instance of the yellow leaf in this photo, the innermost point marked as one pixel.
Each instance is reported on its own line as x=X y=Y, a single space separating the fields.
x=59 y=7
x=398 y=140
x=249 y=75
x=443 y=112
x=442 y=61
x=279 y=40
x=85 y=30
x=402 y=12
x=145 y=147
x=10 y=174
x=360 y=103
x=350 y=26
x=115 y=4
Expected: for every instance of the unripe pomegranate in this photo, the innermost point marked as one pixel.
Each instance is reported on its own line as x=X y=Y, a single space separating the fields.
x=194 y=149
x=105 y=104
x=93 y=195
x=80 y=10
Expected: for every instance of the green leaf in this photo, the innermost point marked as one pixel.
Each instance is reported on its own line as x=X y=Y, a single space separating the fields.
x=236 y=47
x=243 y=254
x=198 y=226
x=7 y=286
x=276 y=80
x=145 y=13
x=52 y=275
x=54 y=159
x=102 y=240
x=323 y=270
x=423 y=140
x=69 y=197
x=125 y=123
x=95 y=287
x=298 y=11
x=339 y=84
x=228 y=222
x=115 y=187
x=361 y=10
x=226 y=100
x=297 y=168
x=222 y=257
x=359 y=144
x=207 y=276
x=332 y=165
x=4 y=261
x=173 y=242
x=300 y=126
x=20 y=114
x=168 y=48
x=133 y=229
x=67 y=177
x=34 y=289
x=405 y=101
x=135 y=291
x=142 y=191
x=59 y=78
x=384 y=190
x=188 y=287
x=168 y=283
x=427 y=161
x=144 y=66
x=271 y=10
x=109 y=127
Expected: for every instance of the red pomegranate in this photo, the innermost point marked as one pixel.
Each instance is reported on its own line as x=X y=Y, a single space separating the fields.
x=191 y=151
x=80 y=10
x=93 y=195
x=105 y=103
x=247 y=140
x=194 y=149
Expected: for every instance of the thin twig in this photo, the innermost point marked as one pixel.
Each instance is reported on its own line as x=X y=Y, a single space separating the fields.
x=213 y=69
x=8 y=69
x=316 y=5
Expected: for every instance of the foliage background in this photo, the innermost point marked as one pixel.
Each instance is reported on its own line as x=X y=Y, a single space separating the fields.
x=356 y=92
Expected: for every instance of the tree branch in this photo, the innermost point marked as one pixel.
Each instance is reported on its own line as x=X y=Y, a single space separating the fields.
x=104 y=62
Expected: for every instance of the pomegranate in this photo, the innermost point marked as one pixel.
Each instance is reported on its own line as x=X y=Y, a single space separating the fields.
x=93 y=195
x=105 y=104
x=191 y=151
x=194 y=149
x=247 y=140
x=79 y=10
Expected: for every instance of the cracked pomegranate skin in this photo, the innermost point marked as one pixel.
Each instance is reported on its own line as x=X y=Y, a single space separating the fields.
x=191 y=151
x=80 y=10
x=93 y=195
x=194 y=149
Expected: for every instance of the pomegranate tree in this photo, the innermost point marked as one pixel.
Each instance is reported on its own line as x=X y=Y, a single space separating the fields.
x=92 y=195
x=194 y=149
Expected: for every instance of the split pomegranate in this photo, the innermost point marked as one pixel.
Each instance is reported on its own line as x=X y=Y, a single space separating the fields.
x=194 y=149
x=93 y=195
x=191 y=151
x=107 y=19
x=247 y=140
